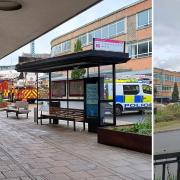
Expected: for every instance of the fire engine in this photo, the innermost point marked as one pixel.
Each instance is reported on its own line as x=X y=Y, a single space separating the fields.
x=28 y=93
x=4 y=88
x=11 y=92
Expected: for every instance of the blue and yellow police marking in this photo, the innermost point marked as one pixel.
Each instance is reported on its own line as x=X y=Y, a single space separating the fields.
x=147 y=98
x=129 y=98
x=133 y=98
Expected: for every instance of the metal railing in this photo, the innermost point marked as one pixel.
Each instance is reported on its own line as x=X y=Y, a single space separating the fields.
x=165 y=161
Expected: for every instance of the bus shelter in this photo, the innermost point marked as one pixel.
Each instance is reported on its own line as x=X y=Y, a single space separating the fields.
x=93 y=99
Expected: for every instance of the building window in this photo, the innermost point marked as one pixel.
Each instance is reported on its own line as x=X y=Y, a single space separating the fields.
x=83 y=39
x=65 y=46
x=143 y=49
x=140 y=49
x=156 y=76
x=58 y=48
x=144 y=18
x=121 y=27
x=112 y=30
x=90 y=37
x=68 y=45
x=176 y=79
x=98 y=33
x=105 y=32
x=159 y=88
x=132 y=50
x=150 y=47
x=150 y=16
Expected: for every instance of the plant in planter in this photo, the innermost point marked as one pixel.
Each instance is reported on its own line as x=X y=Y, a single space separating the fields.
x=142 y=128
x=135 y=137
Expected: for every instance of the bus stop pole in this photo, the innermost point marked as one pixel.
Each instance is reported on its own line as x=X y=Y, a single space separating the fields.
x=50 y=92
x=67 y=93
x=114 y=93
x=37 y=99
x=87 y=72
x=99 y=97
x=49 y=87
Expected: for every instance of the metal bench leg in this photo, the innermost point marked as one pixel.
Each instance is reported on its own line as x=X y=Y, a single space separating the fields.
x=41 y=121
x=84 y=125
x=27 y=116
x=7 y=113
x=68 y=123
x=17 y=115
x=74 y=122
x=50 y=122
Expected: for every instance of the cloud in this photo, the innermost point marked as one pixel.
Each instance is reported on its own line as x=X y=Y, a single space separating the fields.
x=167 y=34
x=169 y=63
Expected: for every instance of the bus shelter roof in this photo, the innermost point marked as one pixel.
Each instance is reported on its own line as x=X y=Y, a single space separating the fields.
x=84 y=59
x=23 y=21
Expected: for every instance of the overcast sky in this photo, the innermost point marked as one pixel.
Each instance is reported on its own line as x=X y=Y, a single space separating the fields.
x=42 y=44
x=167 y=34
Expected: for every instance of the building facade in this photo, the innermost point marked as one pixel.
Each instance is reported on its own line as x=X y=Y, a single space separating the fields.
x=164 y=83
x=131 y=24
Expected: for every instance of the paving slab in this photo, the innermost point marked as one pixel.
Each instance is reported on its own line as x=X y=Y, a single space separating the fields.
x=31 y=151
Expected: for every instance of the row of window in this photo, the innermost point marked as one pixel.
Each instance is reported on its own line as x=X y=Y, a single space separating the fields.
x=61 y=48
x=114 y=29
x=140 y=49
x=109 y=31
x=135 y=50
x=165 y=77
x=165 y=88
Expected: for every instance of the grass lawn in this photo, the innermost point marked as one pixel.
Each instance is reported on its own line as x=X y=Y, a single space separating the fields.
x=167 y=125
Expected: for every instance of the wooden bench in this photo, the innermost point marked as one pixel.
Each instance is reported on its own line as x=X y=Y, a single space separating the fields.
x=20 y=107
x=56 y=113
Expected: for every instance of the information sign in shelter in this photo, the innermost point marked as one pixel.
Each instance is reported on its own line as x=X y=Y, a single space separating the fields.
x=92 y=100
x=76 y=87
x=58 y=89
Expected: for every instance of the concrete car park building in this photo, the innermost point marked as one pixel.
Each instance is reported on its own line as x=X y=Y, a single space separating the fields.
x=131 y=24
x=164 y=82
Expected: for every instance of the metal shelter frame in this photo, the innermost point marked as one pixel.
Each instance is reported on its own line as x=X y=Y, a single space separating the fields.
x=85 y=59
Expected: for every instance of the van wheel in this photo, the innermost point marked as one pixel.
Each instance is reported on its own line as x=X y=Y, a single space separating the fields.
x=119 y=110
x=141 y=111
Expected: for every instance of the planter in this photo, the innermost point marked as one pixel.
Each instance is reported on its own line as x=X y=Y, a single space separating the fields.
x=132 y=141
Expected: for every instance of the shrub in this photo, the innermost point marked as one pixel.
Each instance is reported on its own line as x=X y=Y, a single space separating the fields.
x=144 y=128
x=168 y=113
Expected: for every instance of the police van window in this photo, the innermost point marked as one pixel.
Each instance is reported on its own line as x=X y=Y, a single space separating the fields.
x=147 y=89
x=130 y=89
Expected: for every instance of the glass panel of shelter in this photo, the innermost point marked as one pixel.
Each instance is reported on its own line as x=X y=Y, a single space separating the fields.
x=43 y=93
x=61 y=95
x=106 y=98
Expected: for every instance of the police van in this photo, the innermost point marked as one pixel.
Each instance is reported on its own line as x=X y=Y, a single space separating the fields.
x=130 y=95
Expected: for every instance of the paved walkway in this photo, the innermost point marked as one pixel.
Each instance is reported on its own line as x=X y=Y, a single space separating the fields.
x=30 y=151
